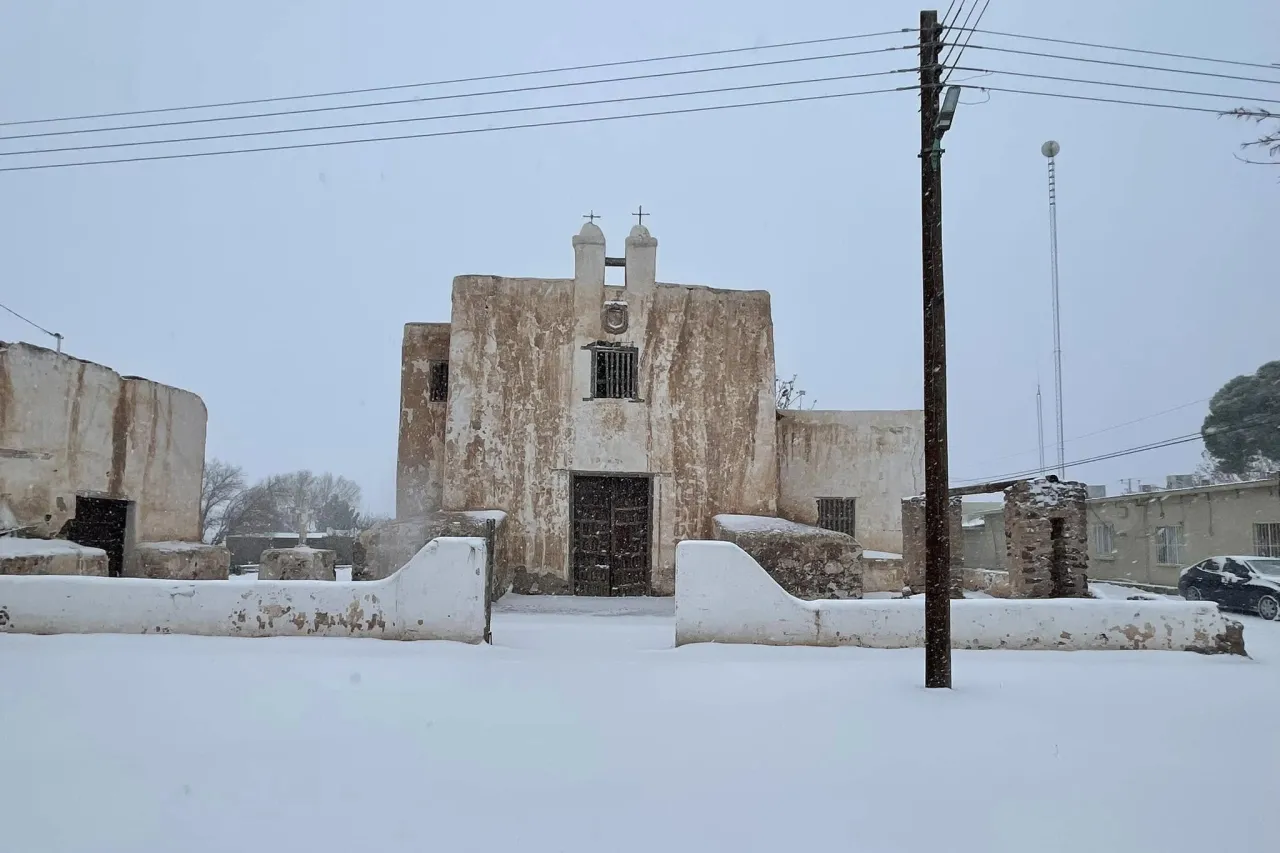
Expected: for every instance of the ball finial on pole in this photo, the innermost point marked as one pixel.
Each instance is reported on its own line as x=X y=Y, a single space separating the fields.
x=1050 y=149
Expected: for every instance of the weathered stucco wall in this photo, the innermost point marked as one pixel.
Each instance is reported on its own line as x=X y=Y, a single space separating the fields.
x=69 y=426
x=876 y=457
x=420 y=470
x=808 y=562
x=521 y=422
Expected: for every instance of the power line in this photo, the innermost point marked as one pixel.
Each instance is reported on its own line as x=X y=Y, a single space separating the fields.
x=32 y=323
x=1270 y=67
x=1119 y=64
x=947 y=14
x=952 y=47
x=474 y=114
x=967 y=39
x=1100 y=100
x=328 y=143
x=1109 y=428
x=518 y=90
x=477 y=79
x=1236 y=98
x=1258 y=420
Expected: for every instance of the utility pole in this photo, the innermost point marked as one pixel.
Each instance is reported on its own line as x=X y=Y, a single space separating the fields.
x=937 y=547
x=1050 y=149
x=1040 y=426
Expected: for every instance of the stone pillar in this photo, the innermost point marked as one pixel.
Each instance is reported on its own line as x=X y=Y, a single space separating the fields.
x=588 y=256
x=297 y=564
x=1046 y=539
x=913 y=544
x=642 y=259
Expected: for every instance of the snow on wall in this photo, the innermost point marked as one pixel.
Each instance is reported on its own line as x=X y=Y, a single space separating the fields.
x=438 y=595
x=723 y=596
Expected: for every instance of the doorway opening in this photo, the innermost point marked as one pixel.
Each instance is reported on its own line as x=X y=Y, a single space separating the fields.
x=610 y=518
x=102 y=523
x=1058 y=557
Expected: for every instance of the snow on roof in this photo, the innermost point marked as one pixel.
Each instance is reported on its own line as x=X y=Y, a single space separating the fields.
x=880 y=555
x=979 y=521
x=762 y=524
x=485 y=514
x=174 y=546
x=13 y=546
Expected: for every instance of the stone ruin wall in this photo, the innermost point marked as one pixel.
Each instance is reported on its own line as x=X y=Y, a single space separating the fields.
x=913 y=571
x=1046 y=539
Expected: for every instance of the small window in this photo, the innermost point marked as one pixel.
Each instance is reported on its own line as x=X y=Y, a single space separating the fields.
x=1104 y=544
x=615 y=372
x=838 y=514
x=1266 y=539
x=439 y=388
x=1170 y=546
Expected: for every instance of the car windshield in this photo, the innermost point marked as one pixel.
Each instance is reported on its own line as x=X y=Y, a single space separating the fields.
x=1268 y=567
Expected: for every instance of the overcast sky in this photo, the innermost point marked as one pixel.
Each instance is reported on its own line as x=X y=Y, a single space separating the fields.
x=276 y=285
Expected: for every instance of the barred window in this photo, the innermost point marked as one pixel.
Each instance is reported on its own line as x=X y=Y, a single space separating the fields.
x=1266 y=539
x=1104 y=544
x=1170 y=546
x=615 y=372
x=838 y=514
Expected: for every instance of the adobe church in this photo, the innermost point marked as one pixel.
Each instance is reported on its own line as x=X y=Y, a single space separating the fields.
x=611 y=422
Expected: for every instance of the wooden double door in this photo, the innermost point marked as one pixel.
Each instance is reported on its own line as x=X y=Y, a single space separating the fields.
x=611 y=522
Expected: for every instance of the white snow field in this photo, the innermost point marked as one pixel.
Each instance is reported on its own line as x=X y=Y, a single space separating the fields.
x=582 y=729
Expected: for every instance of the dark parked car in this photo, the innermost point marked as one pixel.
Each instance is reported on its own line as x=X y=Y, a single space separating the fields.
x=1251 y=584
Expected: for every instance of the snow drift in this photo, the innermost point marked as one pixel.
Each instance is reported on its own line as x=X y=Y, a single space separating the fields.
x=724 y=596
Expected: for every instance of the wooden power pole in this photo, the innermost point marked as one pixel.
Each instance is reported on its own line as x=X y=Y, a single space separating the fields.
x=937 y=548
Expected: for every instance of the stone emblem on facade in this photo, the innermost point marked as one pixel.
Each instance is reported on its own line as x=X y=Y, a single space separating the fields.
x=615 y=318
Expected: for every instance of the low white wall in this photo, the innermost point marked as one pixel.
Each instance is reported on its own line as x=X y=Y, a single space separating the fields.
x=437 y=595
x=723 y=596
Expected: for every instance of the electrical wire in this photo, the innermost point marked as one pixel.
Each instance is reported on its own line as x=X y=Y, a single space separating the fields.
x=518 y=90
x=1236 y=98
x=952 y=47
x=477 y=79
x=947 y=13
x=474 y=114
x=1107 y=429
x=968 y=37
x=30 y=322
x=460 y=132
x=1270 y=67
x=1256 y=421
x=1183 y=107
x=1119 y=64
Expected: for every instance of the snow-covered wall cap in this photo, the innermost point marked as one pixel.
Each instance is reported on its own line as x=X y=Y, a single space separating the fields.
x=1048 y=491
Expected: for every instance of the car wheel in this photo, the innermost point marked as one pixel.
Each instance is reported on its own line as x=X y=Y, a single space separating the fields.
x=1269 y=607
x=1192 y=594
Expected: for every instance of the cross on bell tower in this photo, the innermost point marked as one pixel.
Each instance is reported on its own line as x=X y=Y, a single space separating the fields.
x=640 y=215
x=591 y=216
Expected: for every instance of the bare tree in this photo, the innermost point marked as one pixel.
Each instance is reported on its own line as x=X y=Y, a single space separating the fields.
x=1268 y=142
x=221 y=484
x=300 y=497
x=787 y=395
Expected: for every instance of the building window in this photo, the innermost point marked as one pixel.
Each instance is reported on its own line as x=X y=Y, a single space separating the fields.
x=1104 y=544
x=1170 y=546
x=439 y=382
x=838 y=514
x=615 y=372
x=1266 y=540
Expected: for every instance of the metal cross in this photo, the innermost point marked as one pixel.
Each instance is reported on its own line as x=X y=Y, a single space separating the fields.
x=640 y=215
x=591 y=216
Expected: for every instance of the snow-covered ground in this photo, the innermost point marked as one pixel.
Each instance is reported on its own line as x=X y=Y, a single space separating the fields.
x=583 y=730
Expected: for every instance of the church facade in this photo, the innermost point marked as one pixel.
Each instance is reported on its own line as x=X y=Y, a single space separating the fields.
x=611 y=422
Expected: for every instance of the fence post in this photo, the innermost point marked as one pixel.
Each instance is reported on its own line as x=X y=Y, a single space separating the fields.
x=490 y=527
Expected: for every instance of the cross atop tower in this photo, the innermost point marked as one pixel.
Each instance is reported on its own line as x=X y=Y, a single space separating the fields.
x=592 y=216
x=640 y=215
